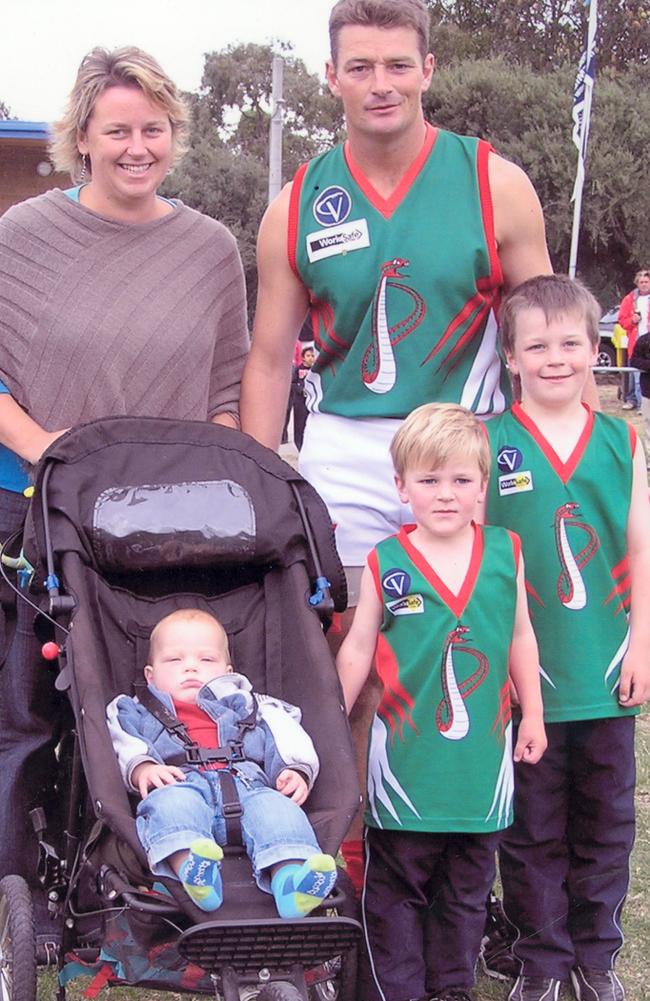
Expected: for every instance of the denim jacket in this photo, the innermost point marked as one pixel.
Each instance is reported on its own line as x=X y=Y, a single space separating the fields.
x=277 y=741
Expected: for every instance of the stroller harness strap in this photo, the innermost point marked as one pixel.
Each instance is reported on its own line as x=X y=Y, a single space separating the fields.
x=226 y=755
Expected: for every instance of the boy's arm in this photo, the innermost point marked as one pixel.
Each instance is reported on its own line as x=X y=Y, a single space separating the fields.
x=355 y=657
x=524 y=672
x=634 y=688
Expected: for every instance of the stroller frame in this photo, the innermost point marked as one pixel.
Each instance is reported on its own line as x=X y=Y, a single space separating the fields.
x=265 y=957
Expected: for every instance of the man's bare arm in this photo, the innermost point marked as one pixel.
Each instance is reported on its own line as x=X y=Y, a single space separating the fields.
x=518 y=223
x=281 y=307
x=521 y=235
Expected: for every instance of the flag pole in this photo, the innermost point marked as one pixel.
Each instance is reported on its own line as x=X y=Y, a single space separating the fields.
x=581 y=115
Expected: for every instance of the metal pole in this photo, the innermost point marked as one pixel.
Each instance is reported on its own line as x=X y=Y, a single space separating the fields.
x=581 y=135
x=275 y=134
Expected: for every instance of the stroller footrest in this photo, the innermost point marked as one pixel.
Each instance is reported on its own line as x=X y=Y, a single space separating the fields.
x=249 y=946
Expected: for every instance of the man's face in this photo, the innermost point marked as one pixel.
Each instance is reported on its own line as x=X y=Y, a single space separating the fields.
x=380 y=77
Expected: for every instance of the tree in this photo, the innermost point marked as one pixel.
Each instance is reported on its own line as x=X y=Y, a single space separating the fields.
x=543 y=34
x=236 y=90
x=225 y=172
x=4 y=111
x=527 y=117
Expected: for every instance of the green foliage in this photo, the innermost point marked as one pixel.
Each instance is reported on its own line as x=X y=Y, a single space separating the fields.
x=225 y=172
x=236 y=90
x=527 y=118
x=542 y=34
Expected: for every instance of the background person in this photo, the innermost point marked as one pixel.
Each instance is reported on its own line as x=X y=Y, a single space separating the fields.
x=634 y=317
x=115 y=301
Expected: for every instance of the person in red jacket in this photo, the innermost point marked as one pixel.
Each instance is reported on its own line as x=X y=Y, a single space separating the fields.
x=634 y=317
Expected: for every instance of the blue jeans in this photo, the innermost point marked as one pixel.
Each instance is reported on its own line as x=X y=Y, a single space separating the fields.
x=633 y=389
x=274 y=828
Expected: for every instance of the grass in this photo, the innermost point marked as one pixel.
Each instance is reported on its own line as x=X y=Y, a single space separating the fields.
x=633 y=965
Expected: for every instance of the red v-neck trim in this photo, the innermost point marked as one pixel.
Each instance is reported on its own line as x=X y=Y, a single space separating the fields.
x=564 y=470
x=456 y=602
x=388 y=205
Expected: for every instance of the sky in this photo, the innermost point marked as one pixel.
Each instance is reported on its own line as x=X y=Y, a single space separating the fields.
x=42 y=42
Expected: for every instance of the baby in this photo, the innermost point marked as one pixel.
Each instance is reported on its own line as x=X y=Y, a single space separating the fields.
x=180 y=819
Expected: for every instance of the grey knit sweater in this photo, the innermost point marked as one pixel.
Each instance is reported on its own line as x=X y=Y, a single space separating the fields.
x=102 y=318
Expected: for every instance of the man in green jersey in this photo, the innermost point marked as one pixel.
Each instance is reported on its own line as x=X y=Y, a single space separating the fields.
x=399 y=242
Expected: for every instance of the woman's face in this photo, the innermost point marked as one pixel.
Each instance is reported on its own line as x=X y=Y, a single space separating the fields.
x=129 y=142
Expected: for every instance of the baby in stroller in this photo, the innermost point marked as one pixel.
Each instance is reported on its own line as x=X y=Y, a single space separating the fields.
x=248 y=744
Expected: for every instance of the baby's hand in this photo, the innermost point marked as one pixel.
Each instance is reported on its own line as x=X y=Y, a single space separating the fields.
x=292 y=784
x=149 y=774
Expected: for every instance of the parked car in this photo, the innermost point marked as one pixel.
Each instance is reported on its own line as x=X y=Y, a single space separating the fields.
x=606 y=350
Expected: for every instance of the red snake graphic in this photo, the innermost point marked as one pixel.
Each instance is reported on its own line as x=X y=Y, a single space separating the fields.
x=378 y=369
x=452 y=718
x=571 y=588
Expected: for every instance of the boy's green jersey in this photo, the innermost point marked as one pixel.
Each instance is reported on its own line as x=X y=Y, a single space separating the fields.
x=572 y=519
x=404 y=291
x=440 y=755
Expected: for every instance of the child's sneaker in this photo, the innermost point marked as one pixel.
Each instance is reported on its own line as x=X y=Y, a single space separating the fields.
x=298 y=889
x=200 y=874
x=453 y=994
x=596 y=985
x=496 y=957
x=535 y=989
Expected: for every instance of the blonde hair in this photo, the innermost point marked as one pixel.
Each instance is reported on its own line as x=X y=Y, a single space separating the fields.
x=380 y=14
x=555 y=295
x=99 y=70
x=184 y=615
x=435 y=433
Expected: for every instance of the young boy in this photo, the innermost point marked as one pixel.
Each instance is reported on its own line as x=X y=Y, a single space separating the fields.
x=442 y=606
x=573 y=485
x=180 y=819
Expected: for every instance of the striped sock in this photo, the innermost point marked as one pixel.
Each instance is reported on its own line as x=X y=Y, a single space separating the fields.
x=298 y=889
x=201 y=876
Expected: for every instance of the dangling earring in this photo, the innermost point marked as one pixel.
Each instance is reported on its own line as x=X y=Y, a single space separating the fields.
x=84 y=167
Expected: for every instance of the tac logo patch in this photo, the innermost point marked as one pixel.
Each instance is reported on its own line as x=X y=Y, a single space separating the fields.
x=412 y=604
x=333 y=206
x=396 y=583
x=509 y=459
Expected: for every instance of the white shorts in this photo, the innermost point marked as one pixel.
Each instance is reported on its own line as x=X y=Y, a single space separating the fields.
x=349 y=464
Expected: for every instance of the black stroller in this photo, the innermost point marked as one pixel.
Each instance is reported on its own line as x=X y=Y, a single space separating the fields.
x=130 y=520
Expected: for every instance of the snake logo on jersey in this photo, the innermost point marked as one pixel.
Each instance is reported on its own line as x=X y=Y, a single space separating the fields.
x=452 y=717
x=571 y=589
x=378 y=367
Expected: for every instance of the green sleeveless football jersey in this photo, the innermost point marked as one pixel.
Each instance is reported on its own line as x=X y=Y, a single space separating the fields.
x=572 y=519
x=440 y=754
x=404 y=291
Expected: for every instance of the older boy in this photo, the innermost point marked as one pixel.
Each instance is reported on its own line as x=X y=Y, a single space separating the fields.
x=181 y=811
x=440 y=755
x=573 y=485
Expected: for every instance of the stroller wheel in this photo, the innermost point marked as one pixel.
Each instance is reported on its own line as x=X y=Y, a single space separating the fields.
x=17 y=941
x=279 y=990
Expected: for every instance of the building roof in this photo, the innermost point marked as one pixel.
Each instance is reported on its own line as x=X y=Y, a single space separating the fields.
x=14 y=129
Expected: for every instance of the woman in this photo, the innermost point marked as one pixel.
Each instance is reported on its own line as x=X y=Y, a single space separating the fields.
x=114 y=301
